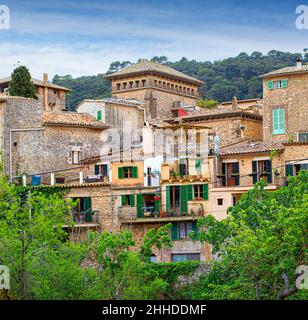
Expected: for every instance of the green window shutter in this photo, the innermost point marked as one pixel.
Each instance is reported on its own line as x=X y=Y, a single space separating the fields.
x=223 y=172
x=189 y=192
x=140 y=213
x=96 y=170
x=197 y=164
x=206 y=192
x=174 y=232
x=99 y=115
x=135 y=172
x=236 y=170
x=120 y=173
x=270 y=85
x=123 y=200
x=157 y=205
x=168 y=202
x=87 y=202
x=268 y=168
x=284 y=83
x=183 y=199
x=132 y=200
x=195 y=229
x=278 y=117
x=254 y=171
x=289 y=170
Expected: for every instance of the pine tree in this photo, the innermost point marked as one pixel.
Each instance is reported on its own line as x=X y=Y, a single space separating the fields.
x=21 y=84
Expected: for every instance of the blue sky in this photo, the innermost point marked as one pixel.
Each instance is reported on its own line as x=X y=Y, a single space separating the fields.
x=83 y=38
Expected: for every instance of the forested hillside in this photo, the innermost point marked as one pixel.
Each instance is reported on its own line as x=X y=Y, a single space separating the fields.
x=235 y=76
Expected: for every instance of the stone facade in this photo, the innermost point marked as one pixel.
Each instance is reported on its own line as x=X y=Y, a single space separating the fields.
x=37 y=148
x=293 y=99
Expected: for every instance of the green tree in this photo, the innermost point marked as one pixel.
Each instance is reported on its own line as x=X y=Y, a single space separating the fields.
x=21 y=84
x=260 y=244
x=207 y=104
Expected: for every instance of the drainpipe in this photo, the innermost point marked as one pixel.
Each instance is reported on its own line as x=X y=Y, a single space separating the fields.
x=11 y=156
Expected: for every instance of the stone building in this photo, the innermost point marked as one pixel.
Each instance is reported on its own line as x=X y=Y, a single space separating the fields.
x=160 y=86
x=285 y=99
x=50 y=95
x=35 y=141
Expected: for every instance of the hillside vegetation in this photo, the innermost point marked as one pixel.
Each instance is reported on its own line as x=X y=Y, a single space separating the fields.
x=234 y=76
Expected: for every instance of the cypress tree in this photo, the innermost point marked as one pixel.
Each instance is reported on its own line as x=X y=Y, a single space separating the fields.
x=21 y=84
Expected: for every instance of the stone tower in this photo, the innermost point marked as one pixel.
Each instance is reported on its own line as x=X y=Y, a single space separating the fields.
x=160 y=86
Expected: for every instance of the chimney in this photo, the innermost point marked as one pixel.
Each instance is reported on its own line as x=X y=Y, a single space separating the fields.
x=45 y=81
x=234 y=103
x=45 y=78
x=298 y=62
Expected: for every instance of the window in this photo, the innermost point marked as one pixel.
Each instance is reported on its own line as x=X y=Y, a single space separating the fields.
x=143 y=83
x=119 y=86
x=262 y=169
x=137 y=84
x=303 y=137
x=75 y=157
x=177 y=257
x=99 y=115
x=131 y=84
x=198 y=165
x=124 y=85
x=183 y=166
x=128 y=200
x=278 y=118
x=220 y=201
x=277 y=84
x=83 y=211
x=182 y=230
x=293 y=169
x=101 y=169
x=230 y=174
x=127 y=172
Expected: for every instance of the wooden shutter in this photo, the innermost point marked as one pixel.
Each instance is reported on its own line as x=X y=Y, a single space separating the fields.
x=270 y=85
x=284 y=83
x=134 y=172
x=205 y=192
x=168 y=202
x=140 y=212
x=268 y=169
x=278 y=118
x=223 y=172
x=120 y=172
x=157 y=206
x=195 y=229
x=183 y=199
x=254 y=171
x=99 y=115
x=189 y=192
x=289 y=170
x=96 y=169
x=236 y=170
x=132 y=200
x=174 y=232
x=123 y=200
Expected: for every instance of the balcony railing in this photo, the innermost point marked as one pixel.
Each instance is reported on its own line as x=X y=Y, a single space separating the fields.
x=83 y=217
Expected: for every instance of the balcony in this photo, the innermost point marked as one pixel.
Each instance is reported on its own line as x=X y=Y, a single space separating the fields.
x=88 y=218
x=150 y=214
x=182 y=172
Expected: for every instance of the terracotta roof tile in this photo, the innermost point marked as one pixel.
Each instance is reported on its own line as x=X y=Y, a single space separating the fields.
x=72 y=119
x=245 y=147
x=286 y=70
x=38 y=83
x=148 y=66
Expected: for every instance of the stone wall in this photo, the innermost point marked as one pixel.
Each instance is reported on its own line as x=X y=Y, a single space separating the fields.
x=294 y=100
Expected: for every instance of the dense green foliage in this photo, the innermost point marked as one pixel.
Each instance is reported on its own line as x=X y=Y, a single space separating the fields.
x=21 y=84
x=261 y=244
x=236 y=76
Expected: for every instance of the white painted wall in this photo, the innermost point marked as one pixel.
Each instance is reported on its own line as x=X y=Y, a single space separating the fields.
x=155 y=165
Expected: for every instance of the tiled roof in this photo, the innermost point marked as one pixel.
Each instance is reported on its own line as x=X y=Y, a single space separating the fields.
x=245 y=147
x=286 y=70
x=148 y=66
x=72 y=119
x=38 y=83
x=217 y=112
x=127 y=102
